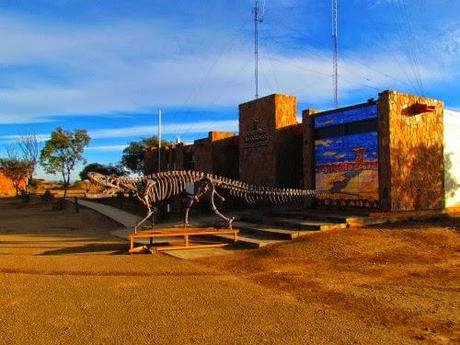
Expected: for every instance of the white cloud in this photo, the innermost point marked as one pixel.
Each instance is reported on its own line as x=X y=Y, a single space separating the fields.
x=17 y=137
x=130 y=67
x=451 y=43
x=106 y=148
x=142 y=131
x=179 y=128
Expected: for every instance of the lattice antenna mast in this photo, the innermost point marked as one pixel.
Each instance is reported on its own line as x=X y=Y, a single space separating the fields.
x=335 y=48
x=258 y=18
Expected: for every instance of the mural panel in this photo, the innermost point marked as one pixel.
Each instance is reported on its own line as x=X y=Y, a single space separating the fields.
x=346 y=161
x=346 y=115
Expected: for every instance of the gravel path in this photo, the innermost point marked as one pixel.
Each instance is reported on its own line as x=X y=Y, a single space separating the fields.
x=65 y=280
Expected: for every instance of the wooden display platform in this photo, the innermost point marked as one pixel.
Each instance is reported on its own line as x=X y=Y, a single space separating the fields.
x=185 y=233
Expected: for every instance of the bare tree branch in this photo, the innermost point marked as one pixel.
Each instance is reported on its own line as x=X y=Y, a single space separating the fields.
x=11 y=151
x=30 y=148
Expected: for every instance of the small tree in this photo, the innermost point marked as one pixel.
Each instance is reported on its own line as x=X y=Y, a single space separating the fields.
x=133 y=155
x=30 y=148
x=63 y=151
x=105 y=169
x=17 y=170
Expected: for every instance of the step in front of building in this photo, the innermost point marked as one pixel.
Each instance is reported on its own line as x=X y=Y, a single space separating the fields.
x=268 y=232
x=310 y=215
x=258 y=230
x=248 y=241
x=289 y=223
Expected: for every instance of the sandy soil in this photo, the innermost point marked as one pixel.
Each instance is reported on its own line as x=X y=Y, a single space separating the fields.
x=404 y=278
x=65 y=280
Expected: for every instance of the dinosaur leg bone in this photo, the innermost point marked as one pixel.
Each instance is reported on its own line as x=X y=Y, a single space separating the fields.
x=229 y=221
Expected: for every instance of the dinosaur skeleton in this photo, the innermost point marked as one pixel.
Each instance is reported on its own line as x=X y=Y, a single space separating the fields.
x=163 y=185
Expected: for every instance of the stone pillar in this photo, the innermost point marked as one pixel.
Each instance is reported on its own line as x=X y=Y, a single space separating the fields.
x=259 y=119
x=411 y=168
x=202 y=155
x=308 y=148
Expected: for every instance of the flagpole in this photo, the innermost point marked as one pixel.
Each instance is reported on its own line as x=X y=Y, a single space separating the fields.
x=159 y=140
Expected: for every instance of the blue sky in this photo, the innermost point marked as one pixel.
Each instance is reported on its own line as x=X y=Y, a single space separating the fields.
x=107 y=66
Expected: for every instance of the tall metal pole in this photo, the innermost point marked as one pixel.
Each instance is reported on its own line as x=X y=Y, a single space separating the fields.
x=256 y=46
x=159 y=140
x=335 y=49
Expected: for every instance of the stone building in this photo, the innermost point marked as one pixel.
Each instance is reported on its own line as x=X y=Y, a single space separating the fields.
x=397 y=152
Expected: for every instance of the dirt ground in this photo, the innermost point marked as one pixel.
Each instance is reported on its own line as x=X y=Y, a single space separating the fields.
x=65 y=280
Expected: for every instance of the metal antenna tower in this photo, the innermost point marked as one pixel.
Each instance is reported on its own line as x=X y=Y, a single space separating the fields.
x=335 y=49
x=258 y=18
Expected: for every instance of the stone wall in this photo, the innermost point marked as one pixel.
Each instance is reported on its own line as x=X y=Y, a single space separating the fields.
x=289 y=162
x=258 y=122
x=273 y=150
x=308 y=151
x=202 y=155
x=217 y=154
x=411 y=169
x=225 y=157
x=173 y=157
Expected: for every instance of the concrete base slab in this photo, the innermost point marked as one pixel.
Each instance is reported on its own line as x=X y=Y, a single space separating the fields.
x=124 y=233
x=121 y=233
x=188 y=254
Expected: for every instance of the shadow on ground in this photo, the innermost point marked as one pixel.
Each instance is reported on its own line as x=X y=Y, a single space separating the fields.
x=106 y=248
x=450 y=222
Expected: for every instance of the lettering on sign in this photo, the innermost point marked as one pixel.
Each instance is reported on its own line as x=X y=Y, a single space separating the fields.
x=256 y=137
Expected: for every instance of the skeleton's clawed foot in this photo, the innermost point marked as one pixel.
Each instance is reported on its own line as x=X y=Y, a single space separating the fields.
x=230 y=222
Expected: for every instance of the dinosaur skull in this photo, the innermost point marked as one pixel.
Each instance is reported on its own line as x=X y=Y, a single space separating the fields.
x=109 y=183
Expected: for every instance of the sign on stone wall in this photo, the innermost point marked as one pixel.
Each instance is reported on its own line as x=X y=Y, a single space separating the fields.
x=257 y=136
x=259 y=120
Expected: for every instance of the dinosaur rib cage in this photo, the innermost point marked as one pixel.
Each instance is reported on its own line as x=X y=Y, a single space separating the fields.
x=163 y=185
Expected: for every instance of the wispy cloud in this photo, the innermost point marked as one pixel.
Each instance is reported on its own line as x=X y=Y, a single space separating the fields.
x=107 y=148
x=176 y=128
x=451 y=42
x=17 y=137
x=132 y=66
x=143 y=131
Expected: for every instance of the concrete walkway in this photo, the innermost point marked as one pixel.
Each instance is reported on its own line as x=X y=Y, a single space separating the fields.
x=129 y=220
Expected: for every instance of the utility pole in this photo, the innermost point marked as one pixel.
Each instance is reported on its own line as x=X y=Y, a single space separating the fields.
x=159 y=140
x=258 y=18
x=335 y=49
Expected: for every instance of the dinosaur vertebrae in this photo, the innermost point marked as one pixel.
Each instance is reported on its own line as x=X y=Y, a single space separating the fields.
x=163 y=185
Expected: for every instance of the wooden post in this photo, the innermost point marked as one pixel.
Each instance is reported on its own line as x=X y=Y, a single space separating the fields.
x=77 y=207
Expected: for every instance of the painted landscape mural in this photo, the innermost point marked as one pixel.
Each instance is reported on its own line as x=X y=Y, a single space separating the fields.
x=346 y=157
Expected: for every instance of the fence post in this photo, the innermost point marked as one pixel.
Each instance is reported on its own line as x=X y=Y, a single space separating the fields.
x=77 y=207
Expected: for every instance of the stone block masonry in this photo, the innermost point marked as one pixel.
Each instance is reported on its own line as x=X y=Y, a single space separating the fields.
x=258 y=155
x=392 y=160
x=217 y=154
x=411 y=166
